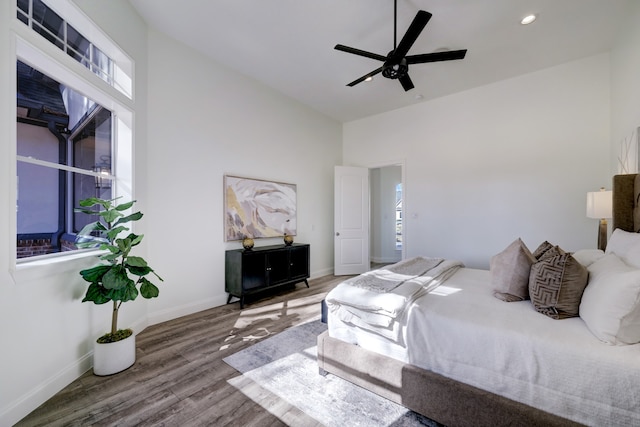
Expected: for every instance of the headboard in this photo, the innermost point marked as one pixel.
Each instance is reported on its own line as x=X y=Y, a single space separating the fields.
x=626 y=212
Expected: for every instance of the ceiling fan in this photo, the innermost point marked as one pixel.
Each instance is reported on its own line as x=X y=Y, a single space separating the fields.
x=396 y=63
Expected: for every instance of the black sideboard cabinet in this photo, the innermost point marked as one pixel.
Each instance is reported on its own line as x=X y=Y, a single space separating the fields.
x=250 y=271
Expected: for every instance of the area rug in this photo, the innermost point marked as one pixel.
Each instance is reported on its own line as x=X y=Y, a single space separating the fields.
x=286 y=366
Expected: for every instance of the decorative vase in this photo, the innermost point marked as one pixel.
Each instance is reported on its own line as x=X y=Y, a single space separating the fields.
x=113 y=357
x=247 y=243
x=288 y=239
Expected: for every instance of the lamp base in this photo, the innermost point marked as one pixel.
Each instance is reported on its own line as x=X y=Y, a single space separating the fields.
x=602 y=235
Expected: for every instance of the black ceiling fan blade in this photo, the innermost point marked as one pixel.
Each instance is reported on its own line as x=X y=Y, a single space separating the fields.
x=406 y=82
x=366 y=76
x=436 y=56
x=414 y=30
x=359 y=52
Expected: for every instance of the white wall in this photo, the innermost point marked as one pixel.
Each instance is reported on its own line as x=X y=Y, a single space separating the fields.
x=206 y=121
x=625 y=87
x=507 y=160
x=482 y=167
x=202 y=121
x=48 y=333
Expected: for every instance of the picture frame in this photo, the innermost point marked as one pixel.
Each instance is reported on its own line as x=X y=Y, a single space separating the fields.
x=258 y=208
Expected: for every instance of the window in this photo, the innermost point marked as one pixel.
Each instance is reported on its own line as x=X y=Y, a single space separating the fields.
x=73 y=131
x=64 y=147
x=45 y=21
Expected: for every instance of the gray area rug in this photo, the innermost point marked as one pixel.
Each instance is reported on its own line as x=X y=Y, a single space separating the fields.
x=286 y=365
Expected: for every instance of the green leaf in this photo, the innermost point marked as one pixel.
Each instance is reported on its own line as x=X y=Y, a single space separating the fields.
x=135 y=239
x=95 y=274
x=110 y=257
x=109 y=247
x=110 y=215
x=116 y=278
x=96 y=294
x=130 y=292
x=124 y=245
x=133 y=217
x=89 y=243
x=113 y=233
x=125 y=206
x=139 y=271
x=136 y=261
x=148 y=289
x=90 y=201
x=93 y=226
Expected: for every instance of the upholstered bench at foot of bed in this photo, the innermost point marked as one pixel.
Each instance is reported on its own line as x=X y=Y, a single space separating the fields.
x=446 y=401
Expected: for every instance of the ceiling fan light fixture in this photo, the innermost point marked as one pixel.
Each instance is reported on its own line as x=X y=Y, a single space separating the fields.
x=528 y=19
x=368 y=79
x=395 y=70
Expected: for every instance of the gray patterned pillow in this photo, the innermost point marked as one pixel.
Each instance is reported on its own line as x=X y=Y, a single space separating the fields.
x=510 y=272
x=542 y=250
x=556 y=285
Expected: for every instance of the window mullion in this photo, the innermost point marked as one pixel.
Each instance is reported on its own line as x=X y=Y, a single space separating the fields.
x=53 y=165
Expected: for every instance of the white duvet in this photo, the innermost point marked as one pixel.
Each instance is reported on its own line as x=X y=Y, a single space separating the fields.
x=377 y=300
x=461 y=331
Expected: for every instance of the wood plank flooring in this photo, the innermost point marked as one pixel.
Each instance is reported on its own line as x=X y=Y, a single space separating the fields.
x=179 y=378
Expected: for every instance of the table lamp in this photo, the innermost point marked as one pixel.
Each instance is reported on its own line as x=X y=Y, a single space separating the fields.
x=599 y=206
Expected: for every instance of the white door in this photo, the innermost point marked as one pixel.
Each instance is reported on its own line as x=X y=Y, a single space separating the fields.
x=351 y=221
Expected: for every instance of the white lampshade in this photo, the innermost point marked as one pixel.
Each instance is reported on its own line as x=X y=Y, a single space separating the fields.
x=599 y=204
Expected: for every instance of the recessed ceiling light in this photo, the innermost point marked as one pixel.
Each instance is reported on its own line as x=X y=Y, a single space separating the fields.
x=419 y=97
x=528 y=19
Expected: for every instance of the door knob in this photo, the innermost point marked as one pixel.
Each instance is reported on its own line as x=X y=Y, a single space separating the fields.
x=337 y=233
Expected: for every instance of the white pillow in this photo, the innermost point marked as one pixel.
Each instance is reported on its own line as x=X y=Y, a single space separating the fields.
x=587 y=257
x=610 y=303
x=624 y=244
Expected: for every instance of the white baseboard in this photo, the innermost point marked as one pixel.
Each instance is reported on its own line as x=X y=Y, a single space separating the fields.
x=25 y=404
x=186 y=309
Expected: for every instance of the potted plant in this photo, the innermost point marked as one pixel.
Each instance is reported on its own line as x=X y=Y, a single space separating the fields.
x=116 y=279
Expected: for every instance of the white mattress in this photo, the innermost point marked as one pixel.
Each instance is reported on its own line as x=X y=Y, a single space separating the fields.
x=460 y=330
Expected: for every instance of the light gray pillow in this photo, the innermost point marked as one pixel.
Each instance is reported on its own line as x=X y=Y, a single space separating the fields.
x=556 y=285
x=611 y=303
x=510 y=272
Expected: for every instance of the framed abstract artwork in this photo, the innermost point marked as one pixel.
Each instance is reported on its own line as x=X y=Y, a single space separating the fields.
x=257 y=208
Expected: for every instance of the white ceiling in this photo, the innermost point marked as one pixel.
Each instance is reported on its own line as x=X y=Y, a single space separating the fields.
x=288 y=44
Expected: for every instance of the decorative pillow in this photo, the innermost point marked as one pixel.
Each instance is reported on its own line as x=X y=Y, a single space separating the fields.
x=587 y=257
x=626 y=245
x=510 y=272
x=551 y=252
x=556 y=285
x=540 y=250
x=611 y=303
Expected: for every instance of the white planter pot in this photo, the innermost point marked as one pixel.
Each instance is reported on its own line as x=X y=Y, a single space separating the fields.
x=114 y=357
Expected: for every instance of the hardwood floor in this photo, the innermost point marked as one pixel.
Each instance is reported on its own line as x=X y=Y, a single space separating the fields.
x=179 y=378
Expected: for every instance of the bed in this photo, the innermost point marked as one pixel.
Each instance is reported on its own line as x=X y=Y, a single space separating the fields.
x=462 y=352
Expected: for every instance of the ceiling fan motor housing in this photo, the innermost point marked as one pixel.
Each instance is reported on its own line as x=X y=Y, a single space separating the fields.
x=394 y=69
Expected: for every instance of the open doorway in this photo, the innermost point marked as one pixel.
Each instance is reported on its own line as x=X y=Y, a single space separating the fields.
x=386 y=214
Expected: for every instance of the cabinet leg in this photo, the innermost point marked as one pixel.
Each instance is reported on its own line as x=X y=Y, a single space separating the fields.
x=229 y=299
x=241 y=302
x=306 y=283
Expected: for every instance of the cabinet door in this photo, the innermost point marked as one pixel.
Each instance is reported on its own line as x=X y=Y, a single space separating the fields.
x=299 y=262
x=277 y=267
x=254 y=267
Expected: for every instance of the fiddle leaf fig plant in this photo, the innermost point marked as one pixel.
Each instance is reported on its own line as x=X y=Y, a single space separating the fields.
x=120 y=274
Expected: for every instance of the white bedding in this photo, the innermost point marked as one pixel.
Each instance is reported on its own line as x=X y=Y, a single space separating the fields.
x=377 y=300
x=460 y=330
